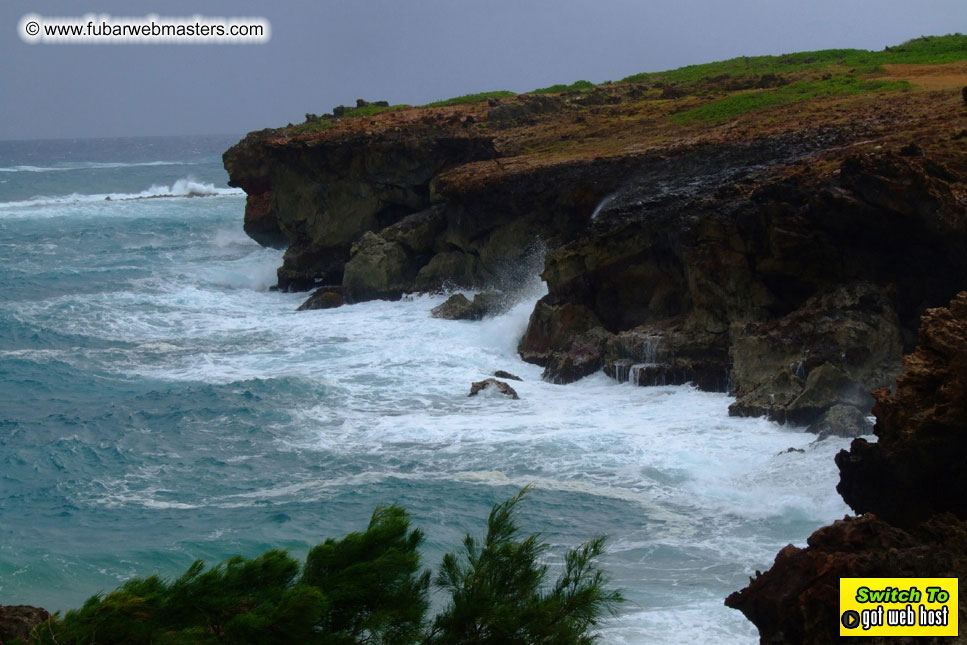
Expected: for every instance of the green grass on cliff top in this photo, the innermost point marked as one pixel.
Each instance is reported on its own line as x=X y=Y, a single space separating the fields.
x=736 y=104
x=933 y=50
x=471 y=98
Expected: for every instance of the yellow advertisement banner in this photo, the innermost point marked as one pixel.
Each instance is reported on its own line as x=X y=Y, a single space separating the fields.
x=898 y=606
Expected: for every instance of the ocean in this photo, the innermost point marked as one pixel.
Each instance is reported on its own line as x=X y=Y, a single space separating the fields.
x=159 y=403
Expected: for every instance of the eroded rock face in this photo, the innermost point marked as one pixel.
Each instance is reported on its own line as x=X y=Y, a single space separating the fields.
x=797 y=600
x=324 y=194
x=484 y=304
x=567 y=340
x=918 y=466
x=909 y=485
x=833 y=350
x=384 y=265
x=16 y=621
x=790 y=285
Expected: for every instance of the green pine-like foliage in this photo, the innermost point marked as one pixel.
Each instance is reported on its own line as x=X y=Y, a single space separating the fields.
x=364 y=588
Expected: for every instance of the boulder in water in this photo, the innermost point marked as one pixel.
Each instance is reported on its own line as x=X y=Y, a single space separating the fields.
x=485 y=303
x=503 y=388
x=324 y=298
x=456 y=307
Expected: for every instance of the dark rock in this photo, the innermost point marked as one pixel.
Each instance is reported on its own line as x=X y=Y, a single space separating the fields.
x=16 y=621
x=380 y=103
x=378 y=268
x=500 y=386
x=324 y=298
x=785 y=277
x=909 y=485
x=339 y=111
x=567 y=340
x=361 y=103
x=456 y=307
x=669 y=355
x=507 y=375
x=911 y=150
x=916 y=468
x=528 y=107
x=771 y=80
x=324 y=196
x=385 y=265
x=797 y=600
x=261 y=223
x=485 y=303
x=832 y=350
x=672 y=91
x=841 y=421
x=452 y=268
x=492 y=303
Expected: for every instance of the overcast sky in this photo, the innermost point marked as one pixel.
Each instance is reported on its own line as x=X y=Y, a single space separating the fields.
x=329 y=52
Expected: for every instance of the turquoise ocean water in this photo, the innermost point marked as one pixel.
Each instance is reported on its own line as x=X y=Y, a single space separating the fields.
x=158 y=404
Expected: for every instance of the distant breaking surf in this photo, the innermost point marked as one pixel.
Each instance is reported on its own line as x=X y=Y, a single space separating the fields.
x=186 y=187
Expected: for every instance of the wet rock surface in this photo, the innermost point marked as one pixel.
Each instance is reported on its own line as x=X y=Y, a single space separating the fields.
x=797 y=600
x=918 y=465
x=491 y=383
x=909 y=485
x=484 y=304
x=787 y=266
x=328 y=297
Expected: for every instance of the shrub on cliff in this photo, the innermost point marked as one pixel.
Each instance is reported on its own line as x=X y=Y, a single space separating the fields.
x=364 y=588
x=496 y=590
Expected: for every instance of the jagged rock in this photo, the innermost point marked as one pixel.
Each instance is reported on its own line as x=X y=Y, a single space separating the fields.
x=841 y=421
x=261 y=223
x=911 y=150
x=909 y=485
x=500 y=386
x=833 y=350
x=456 y=307
x=669 y=355
x=378 y=268
x=797 y=600
x=16 y=621
x=492 y=303
x=528 y=107
x=324 y=298
x=917 y=467
x=826 y=386
x=327 y=194
x=385 y=264
x=567 y=340
x=452 y=268
x=507 y=375
x=485 y=303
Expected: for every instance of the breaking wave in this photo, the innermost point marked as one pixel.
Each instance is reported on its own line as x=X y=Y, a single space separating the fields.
x=186 y=187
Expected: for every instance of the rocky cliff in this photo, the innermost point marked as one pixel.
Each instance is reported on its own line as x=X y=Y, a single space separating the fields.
x=909 y=486
x=784 y=255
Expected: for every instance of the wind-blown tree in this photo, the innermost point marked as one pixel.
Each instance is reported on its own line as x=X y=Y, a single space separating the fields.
x=366 y=588
x=497 y=589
